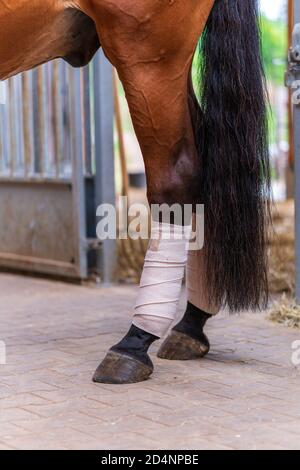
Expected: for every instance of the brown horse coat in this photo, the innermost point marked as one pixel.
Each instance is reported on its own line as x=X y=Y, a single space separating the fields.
x=151 y=43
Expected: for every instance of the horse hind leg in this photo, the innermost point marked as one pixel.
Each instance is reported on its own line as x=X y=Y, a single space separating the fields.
x=187 y=339
x=153 y=52
x=158 y=103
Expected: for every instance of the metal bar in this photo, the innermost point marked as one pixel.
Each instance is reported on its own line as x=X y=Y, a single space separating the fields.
x=5 y=132
x=18 y=126
x=57 y=116
x=35 y=180
x=47 y=120
x=290 y=107
x=104 y=156
x=26 y=116
x=79 y=204
x=29 y=263
x=87 y=120
x=2 y=120
x=11 y=119
x=297 y=171
x=37 y=116
x=65 y=164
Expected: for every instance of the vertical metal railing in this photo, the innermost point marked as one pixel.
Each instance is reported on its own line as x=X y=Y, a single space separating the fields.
x=296 y=120
x=57 y=127
x=35 y=135
x=104 y=169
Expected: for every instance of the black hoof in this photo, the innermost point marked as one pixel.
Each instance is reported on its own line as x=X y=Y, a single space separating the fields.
x=120 y=368
x=181 y=347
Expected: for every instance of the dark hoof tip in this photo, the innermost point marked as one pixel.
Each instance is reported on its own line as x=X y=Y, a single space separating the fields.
x=118 y=368
x=181 y=347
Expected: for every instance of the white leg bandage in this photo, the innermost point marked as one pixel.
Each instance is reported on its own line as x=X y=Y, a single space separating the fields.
x=195 y=283
x=162 y=277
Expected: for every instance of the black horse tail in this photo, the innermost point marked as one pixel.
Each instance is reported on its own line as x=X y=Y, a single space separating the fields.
x=234 y=151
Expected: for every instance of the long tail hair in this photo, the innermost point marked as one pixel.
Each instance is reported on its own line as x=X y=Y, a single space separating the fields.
x=234 y=151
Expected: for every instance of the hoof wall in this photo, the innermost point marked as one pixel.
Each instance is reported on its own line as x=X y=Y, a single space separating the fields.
x=181 y=347
x=117 y=368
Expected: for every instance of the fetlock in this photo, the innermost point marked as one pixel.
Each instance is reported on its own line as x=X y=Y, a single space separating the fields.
x=136 y=344
x=193 y=322
x=187 y=339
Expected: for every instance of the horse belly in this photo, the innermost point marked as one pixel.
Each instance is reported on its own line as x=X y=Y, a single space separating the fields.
x=32 y=33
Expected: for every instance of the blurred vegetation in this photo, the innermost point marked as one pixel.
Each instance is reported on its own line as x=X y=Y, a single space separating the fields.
x=274 y=49
x=274 y=46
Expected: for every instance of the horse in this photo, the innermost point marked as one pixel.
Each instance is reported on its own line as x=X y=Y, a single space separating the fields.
x=202 y=143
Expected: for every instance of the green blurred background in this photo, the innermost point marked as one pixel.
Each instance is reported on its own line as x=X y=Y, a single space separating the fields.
x=274 y=26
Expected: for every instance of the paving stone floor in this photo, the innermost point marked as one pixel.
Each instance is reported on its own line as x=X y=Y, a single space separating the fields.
x=244 y=395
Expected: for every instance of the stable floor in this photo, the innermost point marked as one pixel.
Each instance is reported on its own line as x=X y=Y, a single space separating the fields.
x=244 y=395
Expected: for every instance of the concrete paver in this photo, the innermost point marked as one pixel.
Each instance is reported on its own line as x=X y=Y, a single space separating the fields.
x=244 y=395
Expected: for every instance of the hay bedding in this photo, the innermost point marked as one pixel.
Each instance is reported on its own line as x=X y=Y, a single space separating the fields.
x=282 y=251
x=282 y=266
x=286 y=312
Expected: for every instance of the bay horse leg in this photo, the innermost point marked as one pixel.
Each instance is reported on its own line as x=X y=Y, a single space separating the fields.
x=162 y=122
x=187 y=339
x=154 y=66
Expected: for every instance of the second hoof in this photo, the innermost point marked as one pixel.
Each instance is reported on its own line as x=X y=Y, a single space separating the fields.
x=120 y=368
x=181 y=347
